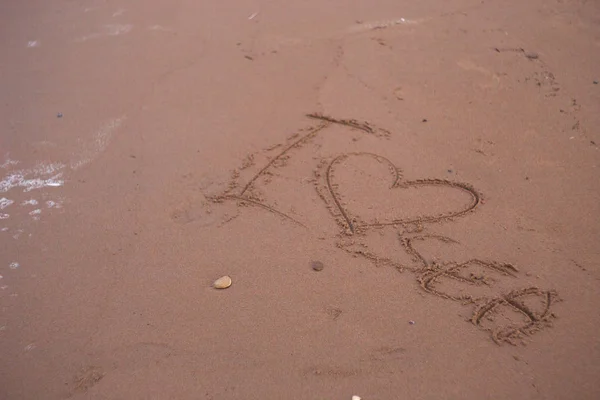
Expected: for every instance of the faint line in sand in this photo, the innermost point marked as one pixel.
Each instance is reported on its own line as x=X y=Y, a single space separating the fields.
x=108 y=30
x=372 y=25
x=100 y=142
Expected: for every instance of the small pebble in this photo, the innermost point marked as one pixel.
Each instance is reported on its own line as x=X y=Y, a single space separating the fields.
x=59 y=115
x=222 y=283
x=595 y=82
x=317 y=266
x=424 y=120
x=411 y=322
x=355 y=397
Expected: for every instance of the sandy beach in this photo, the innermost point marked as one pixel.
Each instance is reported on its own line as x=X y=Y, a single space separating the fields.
x=405 y=195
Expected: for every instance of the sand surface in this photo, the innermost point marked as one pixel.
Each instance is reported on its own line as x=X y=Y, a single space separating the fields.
x=439 y=158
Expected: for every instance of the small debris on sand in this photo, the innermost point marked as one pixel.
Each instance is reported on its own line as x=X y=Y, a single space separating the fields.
x=317 y=265
x=531 y=55
x=222 y=283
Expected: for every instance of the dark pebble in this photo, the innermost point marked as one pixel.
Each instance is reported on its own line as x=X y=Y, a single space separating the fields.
x=317 y=265
x=59 y=115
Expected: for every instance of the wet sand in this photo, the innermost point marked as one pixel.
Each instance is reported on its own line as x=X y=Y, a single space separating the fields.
x=439 y=159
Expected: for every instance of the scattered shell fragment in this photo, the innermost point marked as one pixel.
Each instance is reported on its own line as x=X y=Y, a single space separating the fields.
x=222 y=283
x=355 y=397
x=317 y=265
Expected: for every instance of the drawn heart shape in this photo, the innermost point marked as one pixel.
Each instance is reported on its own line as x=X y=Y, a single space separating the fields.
x=354 y=206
